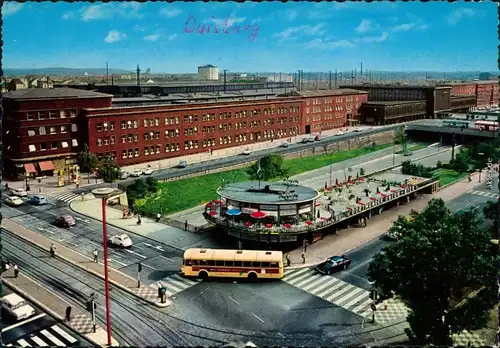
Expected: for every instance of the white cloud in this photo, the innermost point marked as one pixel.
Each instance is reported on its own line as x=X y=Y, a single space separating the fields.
x=115 y=36
x=458 y=14
x=9 y=8
x=172 y=37
x=408 y=26
x=137 y=27
x=369 y=39
x=170 y=12
x=230 y=21
x=152 y=37
x=329 y=45
x=303 y=29
x=364 y=26
x=292 y=14
x=107 y=11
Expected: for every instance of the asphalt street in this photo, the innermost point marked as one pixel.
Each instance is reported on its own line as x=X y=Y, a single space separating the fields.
x=35 y=328
x=158 y=260
x=206 y=314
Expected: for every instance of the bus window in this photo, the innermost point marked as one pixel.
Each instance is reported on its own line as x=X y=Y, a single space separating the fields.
x=265 y=264
x=188 y=262
x=247 y=264
x=229 y=263
x=275 y=264
x=256 y=264
x=219 y=263
x=196 y=262
x=203 y=262
x=210 y=263
x=238 y=264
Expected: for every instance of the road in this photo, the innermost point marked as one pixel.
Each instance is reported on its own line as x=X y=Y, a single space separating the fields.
x=210 y=313
x=38 y=328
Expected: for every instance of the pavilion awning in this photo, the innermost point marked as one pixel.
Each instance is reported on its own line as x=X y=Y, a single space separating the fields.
x=30 y=168
x=46 y=165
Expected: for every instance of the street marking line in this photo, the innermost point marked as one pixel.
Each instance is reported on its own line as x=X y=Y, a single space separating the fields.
x=167 y=258
x=281 y=335
x=64 y=334
x=39 y=341
x=149 y=266
x=41 y=315
x=133 y=252
x=331 y=281
x=232 y=299
x=76 y=245
x=23 y=343
x=182 y=281
x=354 y=292
x=138 y=247
x=257 y=317
x=52 y=338
x=121 y=263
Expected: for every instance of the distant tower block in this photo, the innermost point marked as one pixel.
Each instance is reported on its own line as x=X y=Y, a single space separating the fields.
x=208 y=72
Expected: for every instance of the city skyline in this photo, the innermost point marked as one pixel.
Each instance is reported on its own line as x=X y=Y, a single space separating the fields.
x=251 y=37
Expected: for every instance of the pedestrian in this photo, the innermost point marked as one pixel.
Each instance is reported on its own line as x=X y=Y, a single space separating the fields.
x=240 y=245
x=16 y=271
x=305 y=244
x=288 y=261
x=185 y=225
x=6 y=186
x=6 y=266
x=303 y=255
x=68 y=314
x=83 y=196
x=96 y=253
x=158 y=217
x=470 y=179
x=77 y=184
x=52 y=250
x=139 y=221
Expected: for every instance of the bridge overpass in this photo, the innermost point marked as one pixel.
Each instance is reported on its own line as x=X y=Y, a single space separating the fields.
x=434 y=131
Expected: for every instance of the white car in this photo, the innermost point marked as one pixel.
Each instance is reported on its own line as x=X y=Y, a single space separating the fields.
x=124 y=175
x=285 y=144
x=246 y=152
x=136 y=173
x=359 y=129
x=18 y=192
x=148 y=171
x=14 y=201
x=339 y=133
x=120 y=240
x=17 y=306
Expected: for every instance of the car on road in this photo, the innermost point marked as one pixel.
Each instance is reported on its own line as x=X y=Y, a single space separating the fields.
x=333 y=264
x=65 y=221
x=247 y=151
x=307 y=139
x=339 y=133
x=124 y=175
x=284 y=144
x=359 y=129
x=121 y=240
x=182 y=164
x=18 y=192
x=17 y=306
x=148 y=171
x=393 y=235
x=136 y=173
x=38 y=200
x=14 y=201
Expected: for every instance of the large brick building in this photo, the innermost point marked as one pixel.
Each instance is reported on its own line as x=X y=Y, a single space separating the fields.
x=487 y=93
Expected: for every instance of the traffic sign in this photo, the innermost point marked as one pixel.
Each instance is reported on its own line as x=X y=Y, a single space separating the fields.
x=373 y=307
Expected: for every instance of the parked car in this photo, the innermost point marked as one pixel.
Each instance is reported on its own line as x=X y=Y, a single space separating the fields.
x=339 y=133
x=17 y=307
x=317 y=138
x=284 y=144
x=124 y=175
x=148 y=171
x=182 y=164
x=18 y=192
x=247 y=151
x=65 y=221
x=393 y=235
x=38 y=200
x=14 y=201
x=333 y=264
x=306 y=140
x=120 y=240
x=359 y=129
x=136 y=173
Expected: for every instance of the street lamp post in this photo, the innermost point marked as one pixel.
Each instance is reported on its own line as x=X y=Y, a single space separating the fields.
x=103 y=194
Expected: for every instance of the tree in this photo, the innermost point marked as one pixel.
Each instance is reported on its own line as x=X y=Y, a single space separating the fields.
x=399 y=136
x=152 y=184
x=108 y=170
x=437 y=258
x=267 y=168
x=87 y=160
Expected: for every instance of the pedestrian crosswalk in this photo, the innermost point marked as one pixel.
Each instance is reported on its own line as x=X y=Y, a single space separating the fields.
x=53 y=336
x=176 y=283
x=483 y=193
x=343 y=294
x=66 y=196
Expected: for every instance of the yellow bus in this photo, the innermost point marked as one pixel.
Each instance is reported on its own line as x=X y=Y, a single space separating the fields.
x=251 y=264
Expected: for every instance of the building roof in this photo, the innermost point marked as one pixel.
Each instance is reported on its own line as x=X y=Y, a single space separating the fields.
x=393 y=86
x=393 y=102
x=324 y=92
x=269 y=192
x=207 y=66
x=53 y=93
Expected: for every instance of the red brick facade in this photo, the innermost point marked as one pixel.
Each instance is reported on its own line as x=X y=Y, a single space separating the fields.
x=487 y=93
x=463 y=89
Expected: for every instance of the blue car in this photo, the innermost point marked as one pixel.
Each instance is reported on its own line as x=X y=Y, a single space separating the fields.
x=333 y=264
x=38 y=200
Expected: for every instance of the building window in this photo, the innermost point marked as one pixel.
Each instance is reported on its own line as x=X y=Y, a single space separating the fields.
x=74 y=142
x=62 y=113
x=99 y=127
x=124 y=139
x=31 y=132
x=124 y=154
x=64 y=129
x=99 y=142
x=124 y=125
x=105 y=126
x=30 y=116
x=43 y=146
x=135 y=137
x=41 y=115
x=129 y=124
x=112 y=139
x=52 y=130
x=112 y=125
x=64 y=144
x=74 y=127
x=136 y=123
x=32 y=148
x=52 y=114
x=72 y=113
x=146 y=151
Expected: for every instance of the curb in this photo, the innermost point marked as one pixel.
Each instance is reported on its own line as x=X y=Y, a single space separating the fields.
x=49 y=310
x=115 y=283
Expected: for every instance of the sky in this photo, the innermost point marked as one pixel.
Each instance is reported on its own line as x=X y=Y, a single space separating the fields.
x=252 y=37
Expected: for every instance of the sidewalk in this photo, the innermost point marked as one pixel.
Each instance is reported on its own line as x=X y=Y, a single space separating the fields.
x=351 y=238
x=116 y=278
x=81 y=321
x=50 y=184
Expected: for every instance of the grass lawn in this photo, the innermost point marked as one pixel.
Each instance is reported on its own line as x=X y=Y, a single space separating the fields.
x=414 y=147
x=183 y=194
x=448 y=176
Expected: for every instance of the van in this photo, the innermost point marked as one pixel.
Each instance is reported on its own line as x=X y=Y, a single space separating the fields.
x=17 y=307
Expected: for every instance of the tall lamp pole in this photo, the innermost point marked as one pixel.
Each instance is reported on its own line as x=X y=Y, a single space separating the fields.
x=103 y=194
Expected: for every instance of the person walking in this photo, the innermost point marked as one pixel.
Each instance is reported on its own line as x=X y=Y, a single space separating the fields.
x=96 y=253
x=288 y=261
x=16 y=271
x=303 y=255
x=186 y=225
x=304 y=245
x=139 y=221
x=68 y=314
x=52 y=250
x=158 y=217
x=83 y=195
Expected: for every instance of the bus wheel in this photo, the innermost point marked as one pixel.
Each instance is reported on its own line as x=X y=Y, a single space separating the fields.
x=203 y=275
x=252 y=276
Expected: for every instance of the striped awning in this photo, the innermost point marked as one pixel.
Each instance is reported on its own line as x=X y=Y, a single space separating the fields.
x=30 y=168
x=46 y=165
